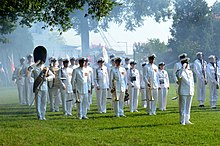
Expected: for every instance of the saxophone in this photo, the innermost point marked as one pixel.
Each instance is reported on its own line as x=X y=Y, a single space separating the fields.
x=113 y=90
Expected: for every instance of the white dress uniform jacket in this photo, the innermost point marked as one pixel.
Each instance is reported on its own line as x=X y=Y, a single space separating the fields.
x=101 y=78
x=150 y=72
x=120 y=77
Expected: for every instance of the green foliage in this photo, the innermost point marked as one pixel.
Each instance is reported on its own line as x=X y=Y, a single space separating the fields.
x=143 y=50
x=19 y=126
x=216 y=29
x=54 y=13
x=192 y=27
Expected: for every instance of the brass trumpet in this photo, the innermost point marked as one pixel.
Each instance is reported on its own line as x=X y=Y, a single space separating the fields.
x=151 y=98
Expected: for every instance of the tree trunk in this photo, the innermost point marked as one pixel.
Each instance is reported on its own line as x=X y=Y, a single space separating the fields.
x=84 y=27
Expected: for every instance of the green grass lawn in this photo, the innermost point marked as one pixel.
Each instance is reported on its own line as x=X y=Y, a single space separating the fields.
x=19 y=126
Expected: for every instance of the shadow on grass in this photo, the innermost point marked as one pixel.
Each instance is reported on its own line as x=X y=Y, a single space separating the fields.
x=138 y=126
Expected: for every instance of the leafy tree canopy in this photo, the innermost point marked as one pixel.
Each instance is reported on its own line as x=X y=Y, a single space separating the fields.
x=54 y=13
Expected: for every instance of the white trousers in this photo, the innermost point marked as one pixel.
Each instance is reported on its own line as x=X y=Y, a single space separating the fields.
x=29 y=91
x=54 y=97
x=184 y=108
x=41 y=105
x=162 y=98
x=82 y=106
x=69 y=103
x=21 y=93
x=63 y=98
x=101 y=96
x=133 y=93
x=89 y=100
x=143 y=98
x=119 y=105
x=213 y=94
x=152 y=105
x=201 y=91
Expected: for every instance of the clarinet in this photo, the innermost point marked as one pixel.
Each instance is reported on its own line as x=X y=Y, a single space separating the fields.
x=203 y=70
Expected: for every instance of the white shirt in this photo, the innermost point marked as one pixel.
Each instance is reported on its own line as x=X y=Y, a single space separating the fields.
x=80 y=80
x=91 y=77
x=19 y=74
x=186 y=81
x=101 y=77
x=118 y=76
x=177 y=66
x=36 y=72
x=67 y=74
x=133 y=78
x=28 y=73
x=163 y=79
x=150 y=72
x=127 y=67
x=210 y=70
x=199 y=68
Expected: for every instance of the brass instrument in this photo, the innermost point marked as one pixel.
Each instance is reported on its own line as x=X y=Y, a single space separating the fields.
x=126 y=96
x=40 y=79
x=151 y=98
x=113 y=90
x=77 y=96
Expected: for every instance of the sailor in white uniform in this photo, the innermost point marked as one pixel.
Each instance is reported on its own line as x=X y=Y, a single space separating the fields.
x=163 y=86
x=65 y=76
x=80 y=82
x=201 y=80
x=151 y=79
x=186 y=91
x=118 y=86
x=19 y=77
x=101 y=79
x=212 y=71
x=133 y=86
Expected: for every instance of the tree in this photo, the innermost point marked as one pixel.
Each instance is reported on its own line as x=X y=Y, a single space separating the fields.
x=216 y=29
x=132 y=13
x=19 y=45
x=58 y=13
x=143 y=50
x=192 y=27
x=54 y=13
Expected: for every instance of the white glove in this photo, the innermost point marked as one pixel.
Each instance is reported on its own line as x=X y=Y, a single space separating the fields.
x=184 y=66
